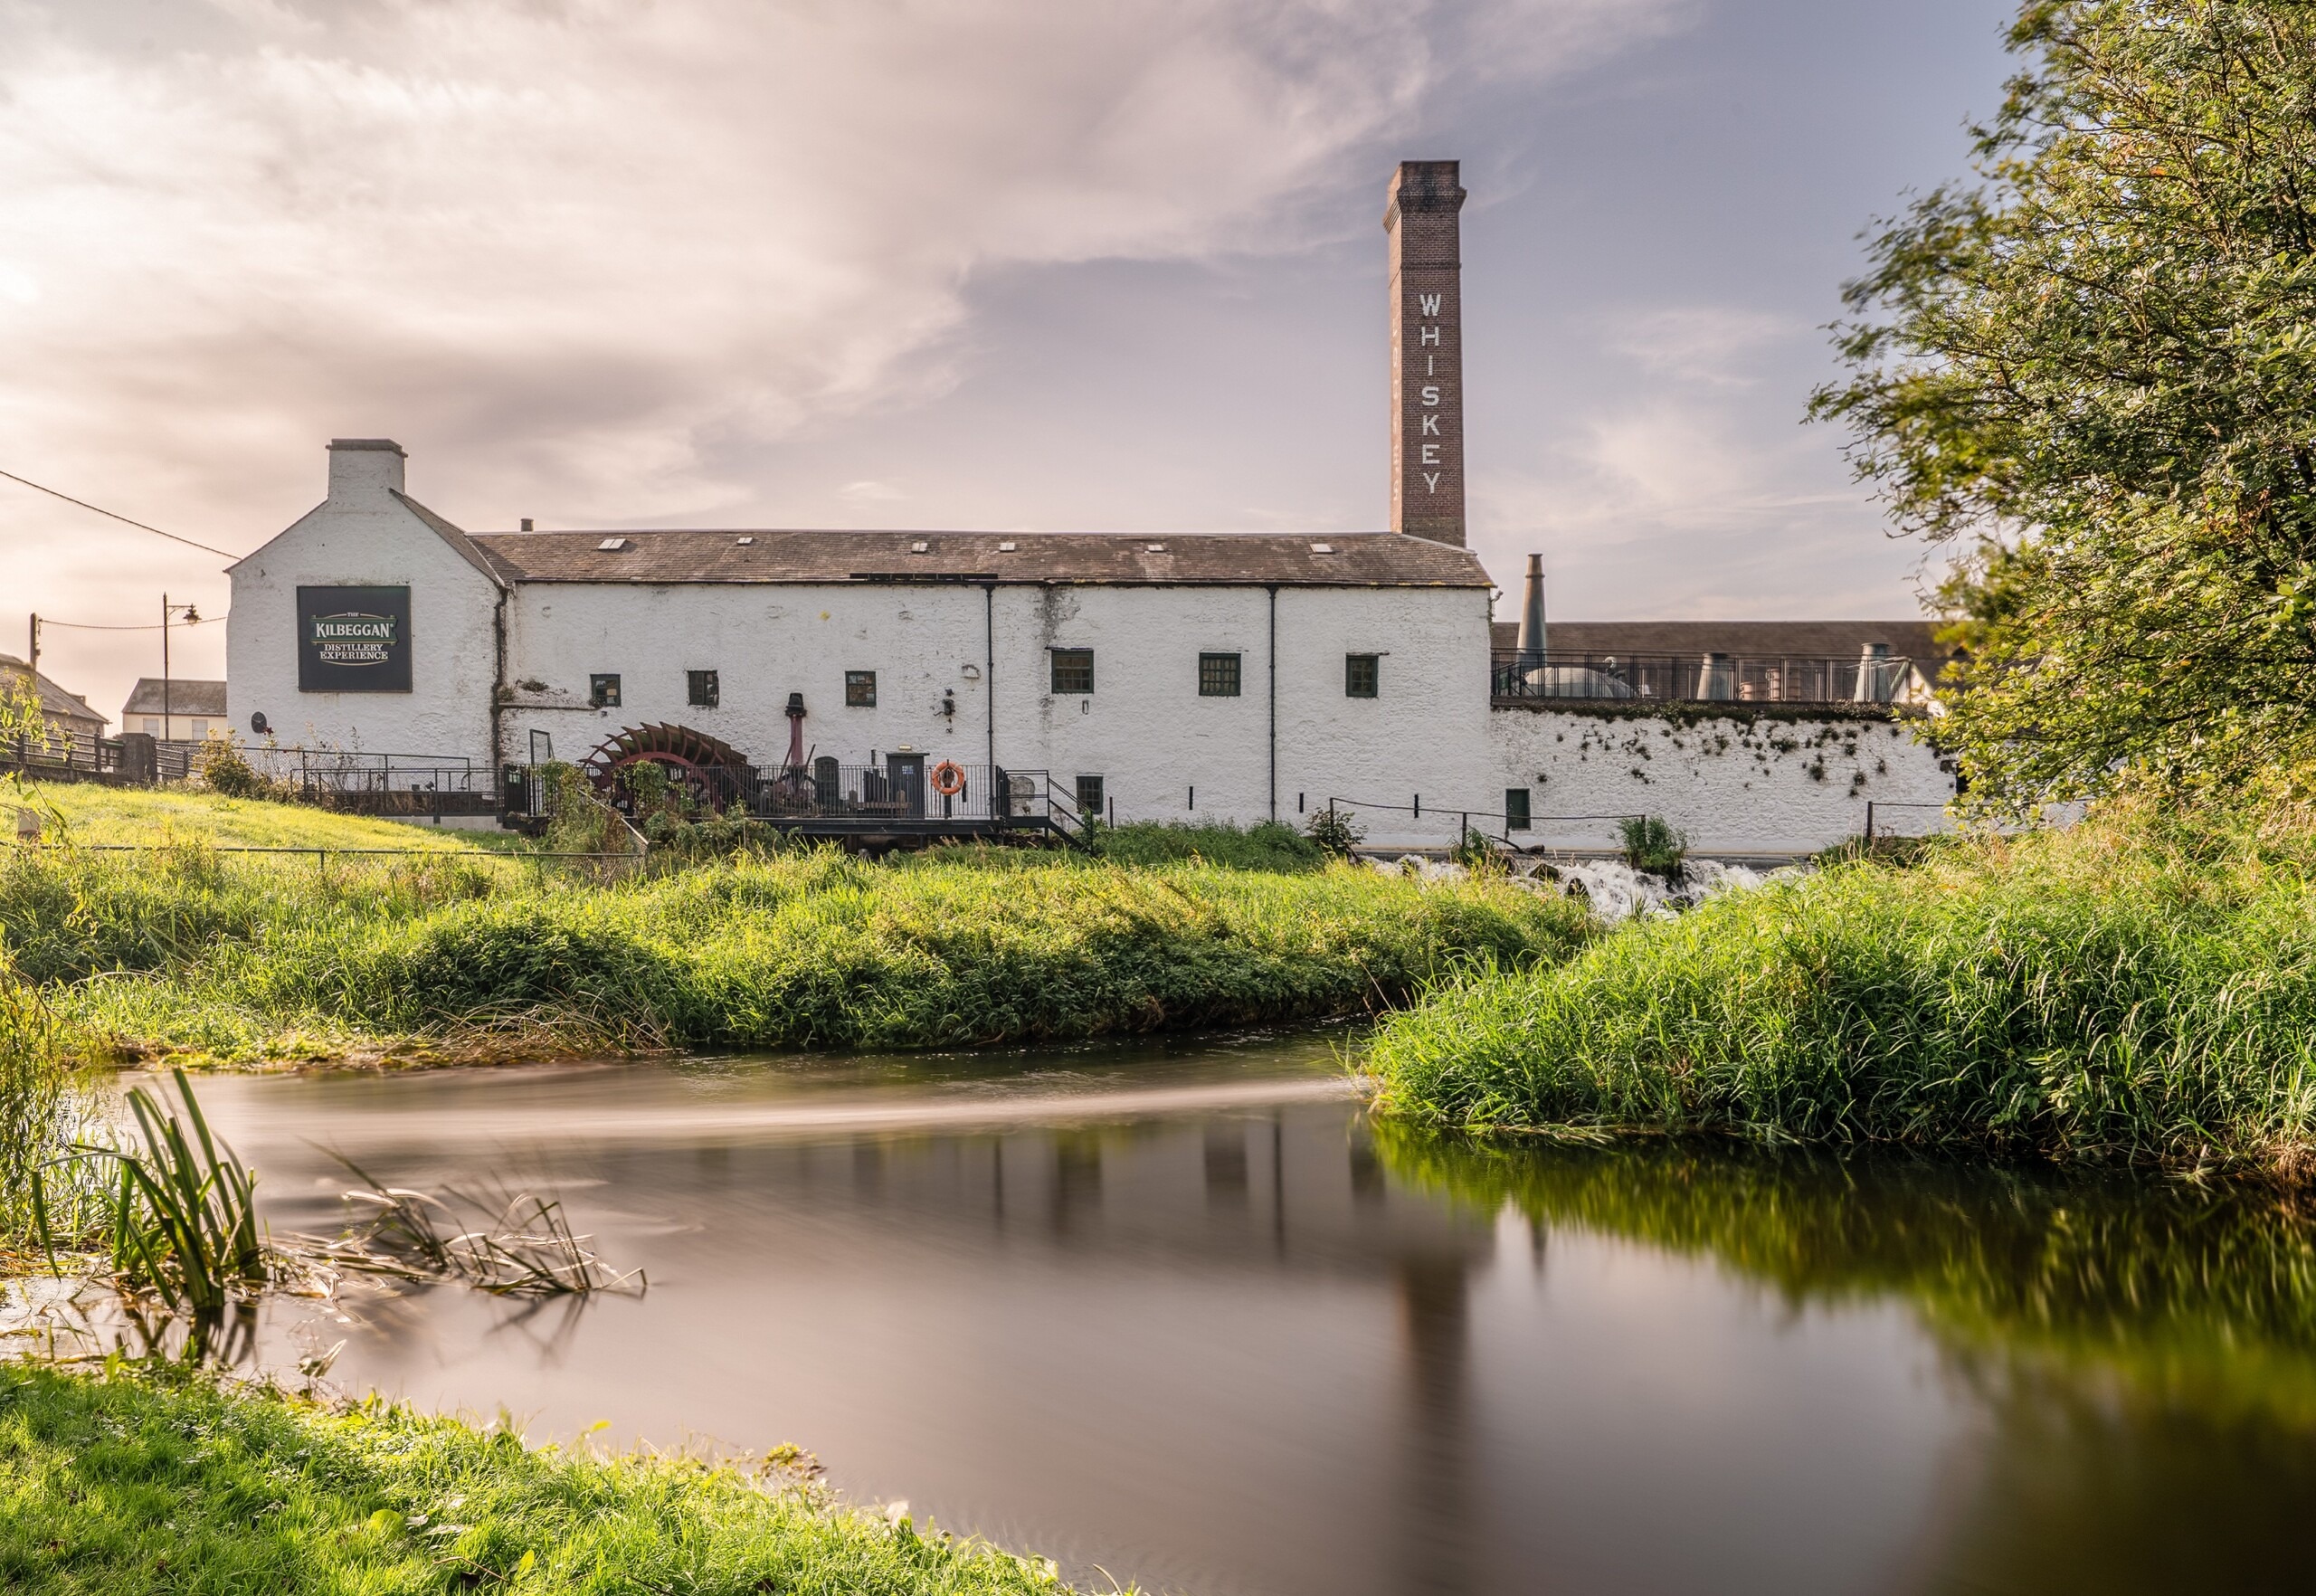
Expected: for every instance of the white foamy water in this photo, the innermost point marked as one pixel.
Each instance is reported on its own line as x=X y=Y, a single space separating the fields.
x=1615 y=890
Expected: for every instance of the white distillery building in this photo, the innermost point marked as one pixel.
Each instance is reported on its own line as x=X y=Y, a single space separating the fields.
x=856 y=677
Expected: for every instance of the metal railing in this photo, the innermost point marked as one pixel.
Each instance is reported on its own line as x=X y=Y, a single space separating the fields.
x=908 y=789
x=1713 y=679
x=351 y=767
x=433 y=785
x=406 y=791
x=79 y=754
x=846 y=798
x=1498 y=824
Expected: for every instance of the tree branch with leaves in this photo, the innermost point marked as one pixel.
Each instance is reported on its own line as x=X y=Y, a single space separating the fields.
x=2093 y=373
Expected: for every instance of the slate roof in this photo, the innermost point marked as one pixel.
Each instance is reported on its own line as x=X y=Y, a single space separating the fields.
x=54 y=702
x=1356 y=559
x=186 y=698
x=464 y=542
x=1792 y=639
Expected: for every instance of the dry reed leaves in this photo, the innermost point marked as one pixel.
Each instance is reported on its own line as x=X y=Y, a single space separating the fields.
x=521 y=1245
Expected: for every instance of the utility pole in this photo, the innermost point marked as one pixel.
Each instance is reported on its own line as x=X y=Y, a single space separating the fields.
x=34 y=660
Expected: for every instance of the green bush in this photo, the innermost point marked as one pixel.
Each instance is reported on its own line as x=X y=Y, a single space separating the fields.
x=2138 y=988
x=579 y=820
x=220 y=767
x=1336 y=832
x=1654 y=848
x=1477 y=850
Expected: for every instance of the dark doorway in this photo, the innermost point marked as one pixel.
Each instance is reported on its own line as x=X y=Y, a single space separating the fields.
x=907 y=773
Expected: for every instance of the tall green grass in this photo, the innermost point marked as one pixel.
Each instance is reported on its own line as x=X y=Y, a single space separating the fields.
x=34 y=1110
x=244 y=958
x=2140 y=988
x=1268 y=845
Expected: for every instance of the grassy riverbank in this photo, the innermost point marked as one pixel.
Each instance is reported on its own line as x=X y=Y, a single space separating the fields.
x=95 y=815
x=242 y=958
x=2140 y=988
x=132 y=1485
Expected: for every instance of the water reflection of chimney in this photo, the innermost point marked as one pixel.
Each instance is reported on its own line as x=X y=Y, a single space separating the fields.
x=1366 y=1170
x=1226 y=1167
x=1435 y=1322
x=1076 y=1178
x=1278 y=1184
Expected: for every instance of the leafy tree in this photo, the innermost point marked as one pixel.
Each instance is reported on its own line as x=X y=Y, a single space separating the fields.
x=2093 y=372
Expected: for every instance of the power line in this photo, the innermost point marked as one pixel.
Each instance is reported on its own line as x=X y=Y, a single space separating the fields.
x=124 y=520
x=46 y=622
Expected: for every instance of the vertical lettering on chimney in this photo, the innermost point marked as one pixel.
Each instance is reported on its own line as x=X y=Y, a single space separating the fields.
x=1419 y=218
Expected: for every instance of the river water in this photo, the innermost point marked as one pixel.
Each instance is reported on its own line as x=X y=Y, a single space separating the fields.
x=1176 y=1313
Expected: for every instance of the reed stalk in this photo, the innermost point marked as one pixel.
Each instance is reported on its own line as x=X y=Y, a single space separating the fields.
x=182 y=1213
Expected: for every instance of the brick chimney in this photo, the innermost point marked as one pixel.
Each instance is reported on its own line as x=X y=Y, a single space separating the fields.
x=362 y=467
x=1426 y=350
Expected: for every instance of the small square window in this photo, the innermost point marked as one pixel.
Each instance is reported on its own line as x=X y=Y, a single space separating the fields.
x=861 y=690
x=1515 y=809
x=702 y=689
x=1217 y=676
x=1073 y=670
x=602 y=691
x=1361 y=675
x=1089 y=796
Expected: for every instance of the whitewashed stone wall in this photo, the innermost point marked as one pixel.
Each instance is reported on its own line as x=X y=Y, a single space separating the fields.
x=1734 y=783
x=361 y=535
x=1163 y=751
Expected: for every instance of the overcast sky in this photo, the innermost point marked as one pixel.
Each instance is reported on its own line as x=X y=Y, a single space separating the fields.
x=1033 y=264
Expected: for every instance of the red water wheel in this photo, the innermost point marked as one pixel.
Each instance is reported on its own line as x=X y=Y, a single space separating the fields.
x=713 y=772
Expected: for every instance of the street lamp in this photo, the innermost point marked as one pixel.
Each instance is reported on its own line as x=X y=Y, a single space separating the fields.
x=192 y=618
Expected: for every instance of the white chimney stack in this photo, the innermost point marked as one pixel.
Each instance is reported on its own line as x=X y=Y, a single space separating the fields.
x=1530 y=641
x=363 y=467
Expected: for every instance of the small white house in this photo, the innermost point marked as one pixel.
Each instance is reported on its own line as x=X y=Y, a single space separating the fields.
x=175 y=707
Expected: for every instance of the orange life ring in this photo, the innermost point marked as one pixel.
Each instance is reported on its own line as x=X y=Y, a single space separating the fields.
x=948 y=780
